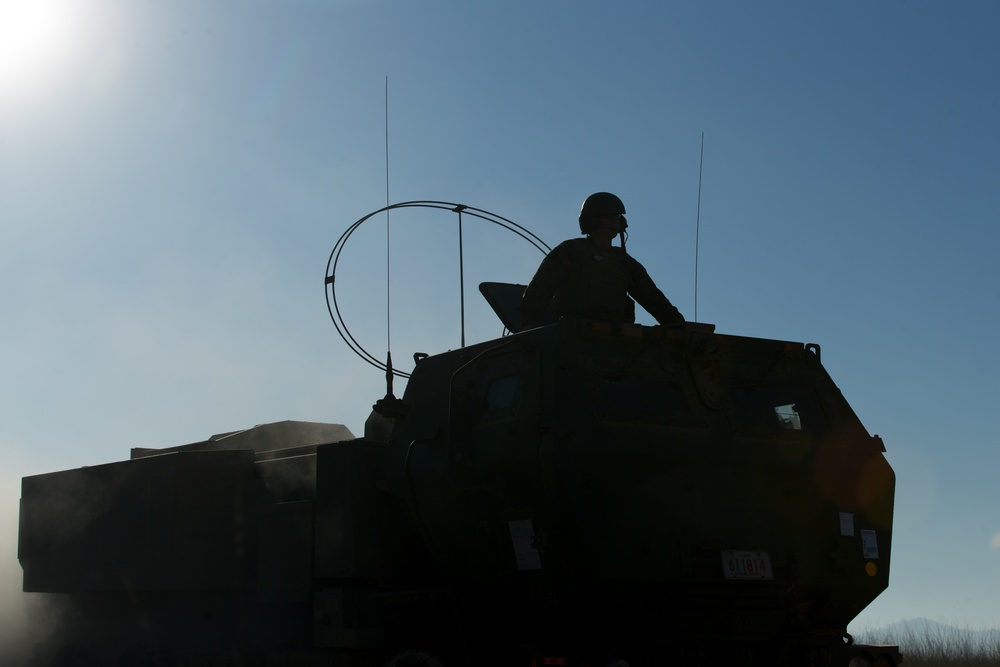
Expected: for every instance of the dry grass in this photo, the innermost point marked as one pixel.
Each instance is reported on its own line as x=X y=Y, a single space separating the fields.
x=928 y=644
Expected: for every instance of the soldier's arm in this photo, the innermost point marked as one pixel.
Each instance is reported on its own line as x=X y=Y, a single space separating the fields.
x=648 y=295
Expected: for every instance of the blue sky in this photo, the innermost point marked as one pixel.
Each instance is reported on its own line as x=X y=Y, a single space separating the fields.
x=174 y=175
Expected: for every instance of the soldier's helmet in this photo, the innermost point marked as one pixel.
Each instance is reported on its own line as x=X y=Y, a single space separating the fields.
x=600 y=205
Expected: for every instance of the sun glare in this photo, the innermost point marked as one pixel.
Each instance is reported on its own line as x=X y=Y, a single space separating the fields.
x=35 y=39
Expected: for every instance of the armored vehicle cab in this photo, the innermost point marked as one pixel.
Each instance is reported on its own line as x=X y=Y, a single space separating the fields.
x=671 y=486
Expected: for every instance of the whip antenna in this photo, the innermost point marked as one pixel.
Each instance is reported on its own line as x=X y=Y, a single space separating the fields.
x=388 y=324
x=697 y=226
x=461 y=269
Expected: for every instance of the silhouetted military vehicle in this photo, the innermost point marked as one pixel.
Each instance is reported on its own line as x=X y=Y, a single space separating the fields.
x=584 y=493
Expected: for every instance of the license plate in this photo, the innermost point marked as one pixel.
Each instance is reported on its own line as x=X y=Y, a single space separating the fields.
x=738 y=564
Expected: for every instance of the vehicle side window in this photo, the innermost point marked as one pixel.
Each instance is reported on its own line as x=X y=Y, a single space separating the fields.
x=772 y=408
x=501 y=393
x=788 y=417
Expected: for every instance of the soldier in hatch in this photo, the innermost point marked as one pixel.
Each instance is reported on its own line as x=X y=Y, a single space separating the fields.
x=591 y=279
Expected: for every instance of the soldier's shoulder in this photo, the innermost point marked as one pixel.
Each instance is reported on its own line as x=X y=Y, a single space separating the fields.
x=570 y=248
x=572 y=244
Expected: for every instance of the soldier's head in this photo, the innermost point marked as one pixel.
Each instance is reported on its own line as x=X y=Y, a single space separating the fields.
x=602 y=211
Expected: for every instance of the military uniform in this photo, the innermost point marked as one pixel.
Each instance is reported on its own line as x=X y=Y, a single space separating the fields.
x=586 y=281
